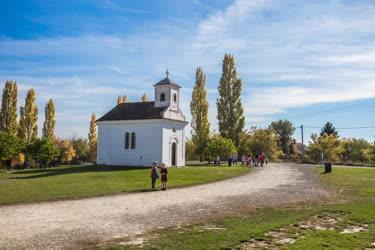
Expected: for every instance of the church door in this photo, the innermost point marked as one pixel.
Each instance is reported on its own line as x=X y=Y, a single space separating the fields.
x=174 y=154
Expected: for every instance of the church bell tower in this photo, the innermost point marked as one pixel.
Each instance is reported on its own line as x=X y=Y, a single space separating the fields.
x=167 y=93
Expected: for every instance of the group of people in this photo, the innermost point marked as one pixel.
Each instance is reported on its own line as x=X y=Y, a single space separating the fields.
x=155 y=175
x=248 y=160
x=233 y=159
x=257 y=161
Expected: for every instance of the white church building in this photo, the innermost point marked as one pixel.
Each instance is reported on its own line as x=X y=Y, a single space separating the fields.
x=138 y=133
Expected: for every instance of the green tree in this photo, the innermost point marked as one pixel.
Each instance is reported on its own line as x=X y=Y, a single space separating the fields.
x=220 y=146
x=10 y=147
x=230 y=112
x=81 y=148
x=284 y=129
x=49 y=123
x=328 y=129
x=43 y=151
x=356 y=150
x=28 y=129
x=326 y=148
x=190 y=150
x=199 y=113
x=93 y=138
x=372 y=152
x=259 y=140
x=8 y=113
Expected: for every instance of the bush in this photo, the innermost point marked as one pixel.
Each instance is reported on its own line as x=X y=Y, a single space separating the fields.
x=220 y=146
x=10 y=147
x=43 y=151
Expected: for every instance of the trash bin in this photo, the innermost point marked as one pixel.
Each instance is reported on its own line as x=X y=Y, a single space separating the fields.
x=327 y=167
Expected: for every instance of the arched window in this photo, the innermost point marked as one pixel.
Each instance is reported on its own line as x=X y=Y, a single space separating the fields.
x=127 y=140
x=162 y=97
x=175 y=97
x=133 y=141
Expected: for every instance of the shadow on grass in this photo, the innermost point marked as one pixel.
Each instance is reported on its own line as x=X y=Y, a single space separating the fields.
x=47 y=172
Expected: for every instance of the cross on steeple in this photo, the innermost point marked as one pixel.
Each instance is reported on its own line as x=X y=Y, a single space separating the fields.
x=167 y=72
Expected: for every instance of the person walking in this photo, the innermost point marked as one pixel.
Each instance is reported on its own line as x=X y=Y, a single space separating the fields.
x=154 y=174
x=243 y=160
x=164 y=176
x=230 y=159
x=261 y=159
x=235 y=159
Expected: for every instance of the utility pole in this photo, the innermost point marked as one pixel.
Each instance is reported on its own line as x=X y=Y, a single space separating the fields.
x=303 y=145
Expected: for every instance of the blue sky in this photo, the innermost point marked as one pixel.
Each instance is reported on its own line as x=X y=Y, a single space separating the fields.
x=309 y=61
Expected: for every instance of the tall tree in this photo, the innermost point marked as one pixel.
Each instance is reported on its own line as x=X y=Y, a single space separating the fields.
x=199 y=113
x=8 y=114
x=328 y=129
x=284 y=129
x=28 y=129
x=93 y=138
x=49 y=123
x=229 y=106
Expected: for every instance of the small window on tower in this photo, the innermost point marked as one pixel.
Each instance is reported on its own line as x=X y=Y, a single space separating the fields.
x=162 y=97
x=175 y=97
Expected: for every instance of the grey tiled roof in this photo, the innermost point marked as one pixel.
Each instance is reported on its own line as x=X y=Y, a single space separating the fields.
x=133 y=111
x=167 y=80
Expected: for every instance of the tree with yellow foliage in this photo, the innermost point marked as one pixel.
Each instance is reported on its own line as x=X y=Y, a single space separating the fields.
x=93 y=138
x=67 y=151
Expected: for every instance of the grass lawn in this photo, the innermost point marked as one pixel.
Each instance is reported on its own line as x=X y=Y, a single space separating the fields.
x=357 y=187
x=86 y=181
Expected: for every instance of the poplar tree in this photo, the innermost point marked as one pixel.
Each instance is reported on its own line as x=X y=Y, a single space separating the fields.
x=49 y=123
x=199 y=113
x=8 y=114
x=93 y=138
x=229 y=107
x=28 y=129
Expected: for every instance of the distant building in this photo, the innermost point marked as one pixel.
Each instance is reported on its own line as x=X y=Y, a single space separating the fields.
x=138 y=133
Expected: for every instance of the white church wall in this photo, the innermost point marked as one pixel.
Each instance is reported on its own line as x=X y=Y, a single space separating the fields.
x=174 y=115
x=174 y=132
x=111 y=143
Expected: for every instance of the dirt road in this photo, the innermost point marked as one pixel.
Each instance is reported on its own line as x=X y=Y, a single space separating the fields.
x=74 y=223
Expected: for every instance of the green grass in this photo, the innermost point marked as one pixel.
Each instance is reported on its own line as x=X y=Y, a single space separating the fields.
x=69 y=182
x=356 y=185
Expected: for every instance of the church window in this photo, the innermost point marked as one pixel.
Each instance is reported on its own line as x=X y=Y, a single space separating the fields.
x=133 y=141
x=127 y=140
x=175 y=97
x=162 y=97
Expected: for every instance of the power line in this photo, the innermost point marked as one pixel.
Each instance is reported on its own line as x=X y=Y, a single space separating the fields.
x=363 y=127
x=327 y=111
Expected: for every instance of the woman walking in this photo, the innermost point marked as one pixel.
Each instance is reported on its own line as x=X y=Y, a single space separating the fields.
x=164 y=176
x=154 y=174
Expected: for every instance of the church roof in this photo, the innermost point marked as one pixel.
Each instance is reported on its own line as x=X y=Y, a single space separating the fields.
x=167 y=80
x=133 y=111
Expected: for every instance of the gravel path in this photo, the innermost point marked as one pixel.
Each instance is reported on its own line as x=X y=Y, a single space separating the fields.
x=74 y=223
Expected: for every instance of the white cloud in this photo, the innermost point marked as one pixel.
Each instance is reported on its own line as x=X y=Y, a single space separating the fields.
x=289 y=54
